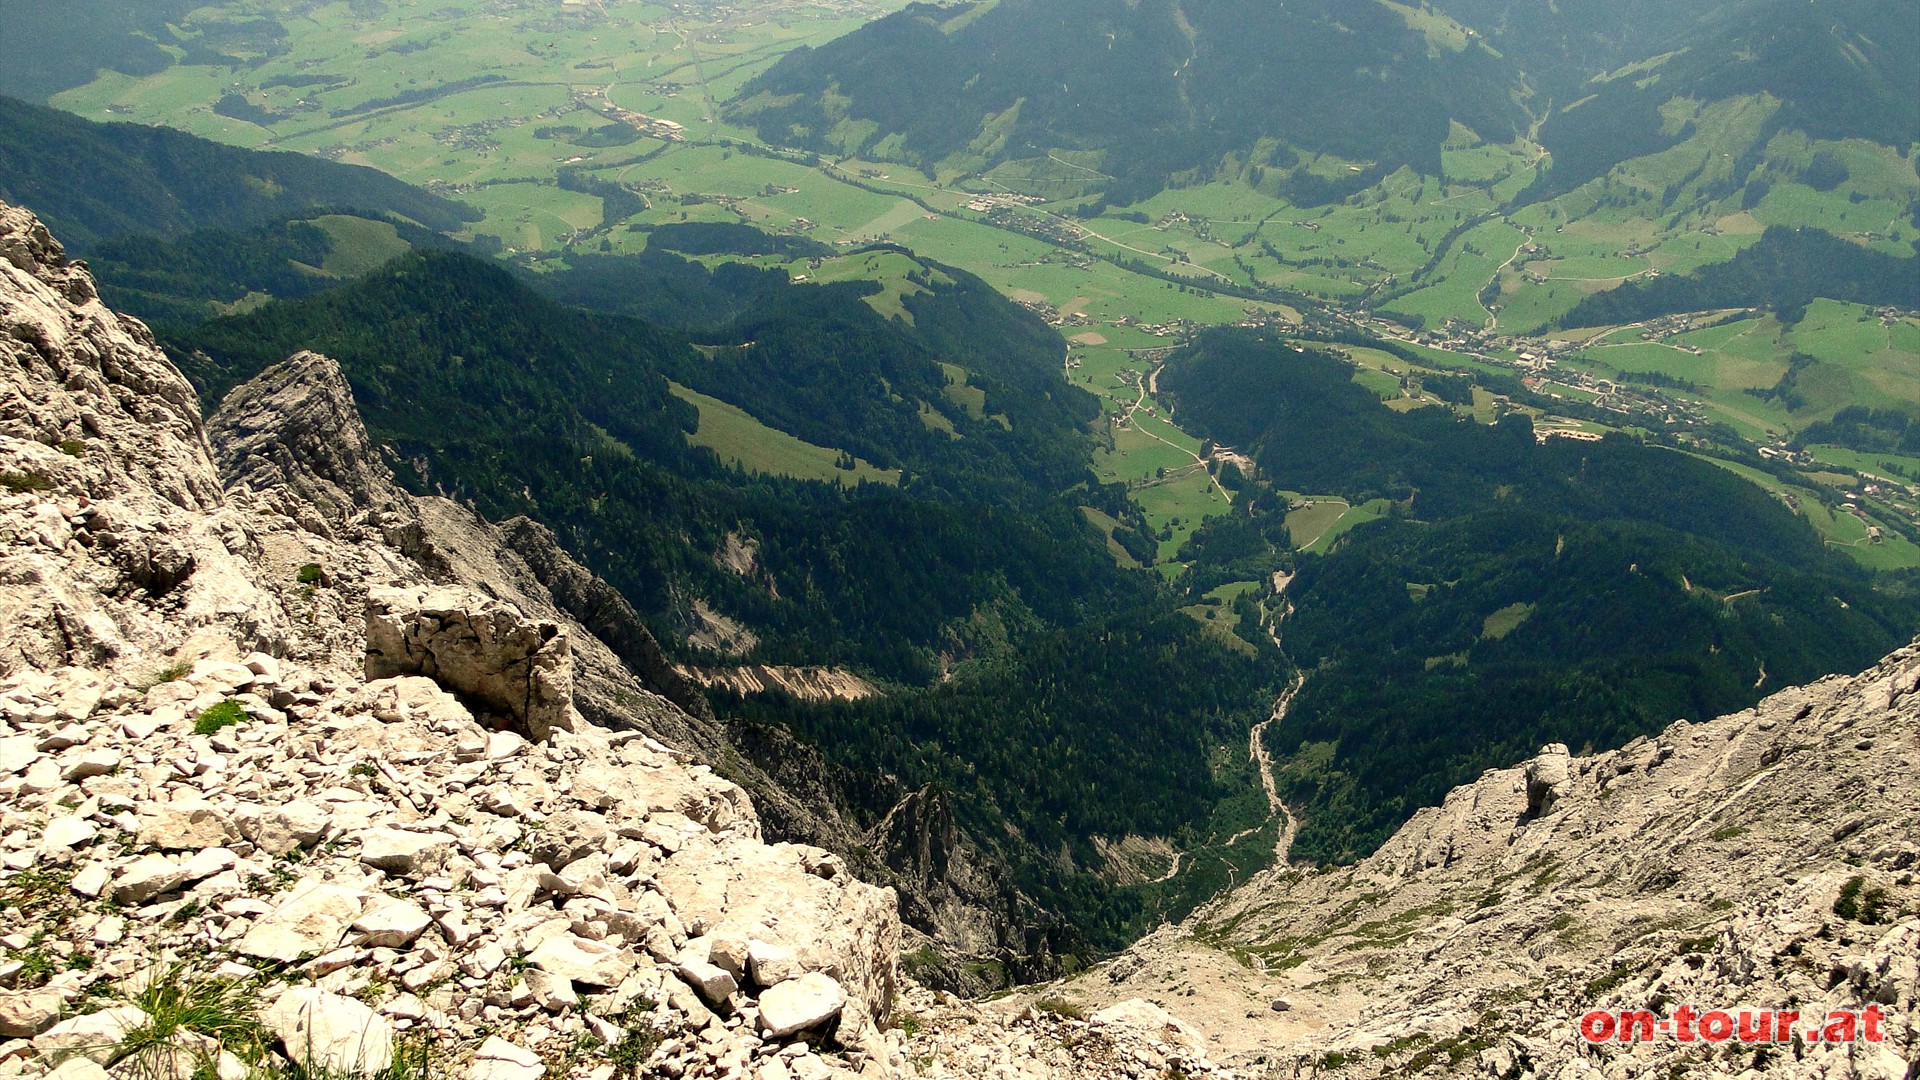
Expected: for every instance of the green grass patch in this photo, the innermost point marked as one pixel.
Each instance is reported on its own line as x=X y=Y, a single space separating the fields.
x=359 y=244
x=1505 y=621
x=215 y=717
x=1107 y=524
x=1308 y=523
x=751 y=446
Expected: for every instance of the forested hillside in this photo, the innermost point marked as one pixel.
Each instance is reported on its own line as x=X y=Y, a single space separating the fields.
x=974 y=561
x=195 y=276
x=93 y=181
x=1837 y=69
x=1783 y=272
x=1563 y=44
x=1155 y=88
x=50 y=47
x=1517 y=593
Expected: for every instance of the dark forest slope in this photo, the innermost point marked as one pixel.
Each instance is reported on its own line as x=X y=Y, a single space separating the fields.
x=1159 y=86
x=91 y=181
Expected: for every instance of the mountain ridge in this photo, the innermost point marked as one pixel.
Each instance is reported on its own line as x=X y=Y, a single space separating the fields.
x=156 y=181
x=987 y=88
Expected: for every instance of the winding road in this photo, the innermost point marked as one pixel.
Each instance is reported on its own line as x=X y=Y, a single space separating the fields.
x=1152 y=384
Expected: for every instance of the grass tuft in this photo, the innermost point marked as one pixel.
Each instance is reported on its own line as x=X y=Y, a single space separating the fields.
x=170 y=673
x=20 y=483
x=214 y=717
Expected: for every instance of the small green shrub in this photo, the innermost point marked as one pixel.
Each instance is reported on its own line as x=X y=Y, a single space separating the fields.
x=1061 y=1007
x=37 y=965
x=73 y=448
x=18 y=483
x=311 y=574
x=630 y=1054
x=921 y=961
x=215 y=717
x=1860 y=902
x=177 y=1001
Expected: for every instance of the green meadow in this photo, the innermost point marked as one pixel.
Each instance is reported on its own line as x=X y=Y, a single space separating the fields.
x=751 y=446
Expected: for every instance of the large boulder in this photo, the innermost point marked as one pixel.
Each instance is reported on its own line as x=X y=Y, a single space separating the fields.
x=407 y=854
x=486 y=651
x=310 y=921
x=591 y=963
x=330 y=1033
x=26 y=1013
x=1138 y=1014
x=146 y=877
x=95 y=1036
x=498 y=1059
x=799 y=1004
x=1548 y=776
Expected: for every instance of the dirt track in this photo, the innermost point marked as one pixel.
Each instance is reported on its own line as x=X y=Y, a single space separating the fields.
x=1257 y=747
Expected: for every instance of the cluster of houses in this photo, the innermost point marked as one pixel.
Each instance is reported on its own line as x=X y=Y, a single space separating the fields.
x=986 y=204
x=1003 y=214
x=1054 y=317
x=652 y=126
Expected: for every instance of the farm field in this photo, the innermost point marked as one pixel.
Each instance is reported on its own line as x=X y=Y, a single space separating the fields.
x=1841 y=528
x=583 y=88
x=1853 y=356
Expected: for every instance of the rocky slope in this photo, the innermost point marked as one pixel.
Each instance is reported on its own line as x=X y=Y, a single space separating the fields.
x=268 y=718
x=297 y=461
x=1762 y=860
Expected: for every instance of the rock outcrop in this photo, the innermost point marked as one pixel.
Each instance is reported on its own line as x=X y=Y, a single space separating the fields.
x=518 y=669
x=806 y=684
x=293 y=435
x=340 y=750
x=117 y=541
x=947 y=888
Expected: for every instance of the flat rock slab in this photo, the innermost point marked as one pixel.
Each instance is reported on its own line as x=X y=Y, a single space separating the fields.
x=592 y=963
x=331 y=1033
x=498 y=1059
x=799 y=1004
x=308 y=923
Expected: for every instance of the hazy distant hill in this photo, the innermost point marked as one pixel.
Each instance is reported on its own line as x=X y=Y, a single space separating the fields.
x=1158 y=86
x=1563 y=44
x=1839 y=69
x=49 y=47
x=93 y=181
